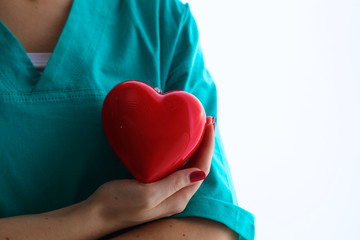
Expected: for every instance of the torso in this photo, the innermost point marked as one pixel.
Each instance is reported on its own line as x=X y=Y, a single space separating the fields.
x=37 y=24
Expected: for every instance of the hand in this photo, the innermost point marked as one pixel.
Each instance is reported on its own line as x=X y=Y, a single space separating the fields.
x=125 y=203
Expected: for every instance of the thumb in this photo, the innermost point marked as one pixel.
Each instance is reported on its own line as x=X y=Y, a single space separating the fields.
x=177 y=181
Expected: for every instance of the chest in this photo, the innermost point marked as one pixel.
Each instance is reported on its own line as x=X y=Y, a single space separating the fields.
x=100 y=45
x=36 y=24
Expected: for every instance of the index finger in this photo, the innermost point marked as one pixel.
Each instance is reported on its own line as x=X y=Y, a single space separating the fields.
x=202 y=157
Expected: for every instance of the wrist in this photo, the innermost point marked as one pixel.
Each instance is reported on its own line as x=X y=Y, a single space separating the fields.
x=88 y=214
x=101 y=220
x=80 y=220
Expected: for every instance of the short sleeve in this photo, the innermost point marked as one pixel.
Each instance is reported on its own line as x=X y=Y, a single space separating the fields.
x=216 y=198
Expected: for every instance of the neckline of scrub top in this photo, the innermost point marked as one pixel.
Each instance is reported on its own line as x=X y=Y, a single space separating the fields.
x=19 y=74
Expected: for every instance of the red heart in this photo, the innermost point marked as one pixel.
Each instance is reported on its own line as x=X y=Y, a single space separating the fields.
x=153 y=134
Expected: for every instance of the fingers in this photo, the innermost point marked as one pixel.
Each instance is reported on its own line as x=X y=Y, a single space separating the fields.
x=173 y=183
x=202 y=157
x=177 y=196
x=177 y=202
x=171 y=194
x=179 y=187
x=201 y=160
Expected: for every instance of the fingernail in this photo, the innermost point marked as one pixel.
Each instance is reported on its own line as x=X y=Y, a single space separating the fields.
x=197 y=176
x=214 y=125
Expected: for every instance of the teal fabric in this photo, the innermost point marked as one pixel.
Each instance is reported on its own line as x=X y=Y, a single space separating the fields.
x=53 y=151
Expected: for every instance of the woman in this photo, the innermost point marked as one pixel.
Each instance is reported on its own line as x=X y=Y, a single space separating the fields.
x=59 y=178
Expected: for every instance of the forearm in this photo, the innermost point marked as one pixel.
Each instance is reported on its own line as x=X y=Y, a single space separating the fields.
x=183 y=228
x=73 y=222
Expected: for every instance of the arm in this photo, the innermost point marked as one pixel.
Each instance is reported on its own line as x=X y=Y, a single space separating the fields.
x=182 y=228
x=59 y=224
x=96 y=216
x=116 y=205
x=191 y=228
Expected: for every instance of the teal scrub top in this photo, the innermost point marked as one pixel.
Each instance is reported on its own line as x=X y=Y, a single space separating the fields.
x=53 y=151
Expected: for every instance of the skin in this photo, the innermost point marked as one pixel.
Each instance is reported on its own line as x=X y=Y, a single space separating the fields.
x=37 y=24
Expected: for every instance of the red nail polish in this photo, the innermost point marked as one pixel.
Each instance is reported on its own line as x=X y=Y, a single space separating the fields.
x=197 y=176
x=213 y=120
x=214 y=126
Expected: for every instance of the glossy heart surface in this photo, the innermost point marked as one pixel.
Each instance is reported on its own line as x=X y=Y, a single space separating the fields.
x=152 y=134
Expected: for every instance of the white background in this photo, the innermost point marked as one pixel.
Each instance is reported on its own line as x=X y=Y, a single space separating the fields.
x=288 y=77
